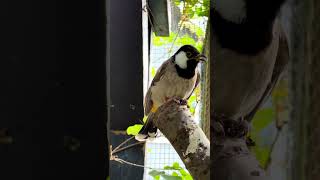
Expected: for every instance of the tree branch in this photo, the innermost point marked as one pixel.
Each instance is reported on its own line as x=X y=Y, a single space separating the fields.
x=176 y=123
x=232 y=160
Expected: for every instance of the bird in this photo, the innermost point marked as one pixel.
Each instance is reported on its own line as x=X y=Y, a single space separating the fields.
x=250 y=55
x=177 y=77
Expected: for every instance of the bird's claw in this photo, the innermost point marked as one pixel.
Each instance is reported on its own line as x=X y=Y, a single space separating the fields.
x=176 y=100
x=179 y=101
x=184 y=102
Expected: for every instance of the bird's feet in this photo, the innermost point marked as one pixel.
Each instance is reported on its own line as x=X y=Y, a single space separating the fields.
x=178 y=100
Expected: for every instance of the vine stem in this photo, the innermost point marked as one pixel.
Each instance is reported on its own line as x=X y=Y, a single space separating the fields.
x=115 y=158
x=127 y=140
x=126 y=147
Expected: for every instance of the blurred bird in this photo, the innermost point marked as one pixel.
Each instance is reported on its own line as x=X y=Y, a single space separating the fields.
x=177 y=77
x=249 y=57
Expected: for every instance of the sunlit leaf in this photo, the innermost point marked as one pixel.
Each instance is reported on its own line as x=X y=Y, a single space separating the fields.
x=175 y=166
x=262 y=154
x=170 y=177
x=185 y=175
x=134 y=130
x=156 y=174
x=153 y=71
x=145 y=119
x=175 y=174
x=192 y=99
x=263 y=118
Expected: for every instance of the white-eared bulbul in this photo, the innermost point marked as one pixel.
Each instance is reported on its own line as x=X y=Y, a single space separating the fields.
x=177 y=77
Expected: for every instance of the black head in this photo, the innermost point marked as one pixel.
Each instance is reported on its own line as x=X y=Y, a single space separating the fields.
x=189 y=50
x=186 y=60
x=244 y=26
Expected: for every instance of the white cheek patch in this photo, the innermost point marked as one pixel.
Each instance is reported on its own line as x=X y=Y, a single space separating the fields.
x=231 y=10
x=181 y=60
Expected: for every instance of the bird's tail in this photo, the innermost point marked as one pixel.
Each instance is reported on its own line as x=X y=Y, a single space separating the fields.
x=148 y=129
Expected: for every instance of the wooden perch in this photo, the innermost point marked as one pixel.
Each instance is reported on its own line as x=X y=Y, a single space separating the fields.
x=177 y=124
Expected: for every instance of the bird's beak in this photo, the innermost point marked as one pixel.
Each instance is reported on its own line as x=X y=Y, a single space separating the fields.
x=202 y=58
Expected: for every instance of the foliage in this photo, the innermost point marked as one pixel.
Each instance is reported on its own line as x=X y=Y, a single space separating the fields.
x=262 y=119
x=134 y=129
x=266 y=117
x=182 y=40
x=262 y=154
x=194 y=7
x=191 y=10
x=153 y=72
x=178 y=173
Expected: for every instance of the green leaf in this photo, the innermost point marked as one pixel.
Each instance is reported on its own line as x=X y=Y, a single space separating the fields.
x=160 y=41
x=175 y=166
x=134 y=130
x=145 y=119
x=156 y=174
x=175 y=174
x=194 y=7
x=263 y=118
x=153 y=71
x=171 y=168
x=262 y=154
x=170 y=177
x=192 y=99
x=185 y=175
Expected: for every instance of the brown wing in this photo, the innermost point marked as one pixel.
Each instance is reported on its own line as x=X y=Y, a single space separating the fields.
x=196 y=84
x=279 y=69
x=148 y=101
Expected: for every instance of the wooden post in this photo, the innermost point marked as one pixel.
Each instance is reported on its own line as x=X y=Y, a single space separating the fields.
x=53 y=96
x=125 y=79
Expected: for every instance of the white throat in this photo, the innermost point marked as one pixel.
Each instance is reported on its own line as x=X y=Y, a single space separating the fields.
x=231 y=10
x=181 y=60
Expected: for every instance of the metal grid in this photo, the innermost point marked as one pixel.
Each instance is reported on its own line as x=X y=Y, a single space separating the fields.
x=158 y=155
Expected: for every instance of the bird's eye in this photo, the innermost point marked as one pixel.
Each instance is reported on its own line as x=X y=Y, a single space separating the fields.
x=188 y=54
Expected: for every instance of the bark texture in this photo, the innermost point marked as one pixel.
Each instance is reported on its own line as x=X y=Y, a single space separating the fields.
x=305 y=91
x=298 y=90
x=232 y=160
x=176 y=123
x=205 y=85
x=314 y=128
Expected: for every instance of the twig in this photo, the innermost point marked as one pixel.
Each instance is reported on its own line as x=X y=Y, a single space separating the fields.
x=122 y=143
x=127 y=147
x=115 y=158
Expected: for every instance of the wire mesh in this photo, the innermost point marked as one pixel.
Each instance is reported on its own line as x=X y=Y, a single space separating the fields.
x=159 y=155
